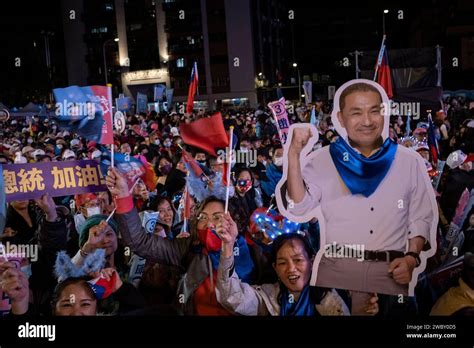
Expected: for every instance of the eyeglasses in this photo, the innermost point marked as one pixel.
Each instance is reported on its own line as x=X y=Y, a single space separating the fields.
x=216 y=218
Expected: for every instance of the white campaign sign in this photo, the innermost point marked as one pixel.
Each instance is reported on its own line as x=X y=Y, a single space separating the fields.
x=119 y=121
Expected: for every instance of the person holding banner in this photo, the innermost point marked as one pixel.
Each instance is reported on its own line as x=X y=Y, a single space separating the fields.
x=358 y=189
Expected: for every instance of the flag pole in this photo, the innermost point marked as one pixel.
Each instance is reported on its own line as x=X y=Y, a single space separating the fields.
x=112 y=153
x=112 y=150
x=380 y=57
x=231 y=137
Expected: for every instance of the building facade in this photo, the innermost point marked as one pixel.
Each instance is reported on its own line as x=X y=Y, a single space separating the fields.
x=240 y=47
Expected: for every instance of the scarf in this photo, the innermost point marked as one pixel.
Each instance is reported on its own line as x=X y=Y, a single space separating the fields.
x=244 y=265
x=305 y=306
x=361 y=174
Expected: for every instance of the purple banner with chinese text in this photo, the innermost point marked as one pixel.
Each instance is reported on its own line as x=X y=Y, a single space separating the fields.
x=32 y=180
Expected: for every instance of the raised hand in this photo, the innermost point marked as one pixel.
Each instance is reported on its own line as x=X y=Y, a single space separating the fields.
x=227 y=232
x=15 y=284
x=117 y=184
x=299 y=140
x=46 y=204
x=96 y=236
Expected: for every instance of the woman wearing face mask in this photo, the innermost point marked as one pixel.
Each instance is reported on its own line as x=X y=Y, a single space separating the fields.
x=87 y=205
x=292 y=295
x=247 y=197
x=60 y=145
x=198 y=254
x=170 y=179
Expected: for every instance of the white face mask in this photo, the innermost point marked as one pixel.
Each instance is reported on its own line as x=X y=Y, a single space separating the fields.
x=93 y=211
x=264 y=163
x=29 y=141
x=278 y=161
x=59 y=146
x=157 y=142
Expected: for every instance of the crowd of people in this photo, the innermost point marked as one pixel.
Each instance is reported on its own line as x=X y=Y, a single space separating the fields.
x=216 y=263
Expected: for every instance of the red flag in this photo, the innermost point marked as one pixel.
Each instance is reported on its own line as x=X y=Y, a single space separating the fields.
x=193 y=87
x=206 y=133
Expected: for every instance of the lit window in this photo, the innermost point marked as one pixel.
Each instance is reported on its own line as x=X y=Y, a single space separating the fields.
x=109 y=7
x=103 y=29
x=190 y=40
x=180 y=63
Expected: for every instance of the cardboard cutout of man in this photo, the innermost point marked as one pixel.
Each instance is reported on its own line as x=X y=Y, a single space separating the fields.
x=373 y=199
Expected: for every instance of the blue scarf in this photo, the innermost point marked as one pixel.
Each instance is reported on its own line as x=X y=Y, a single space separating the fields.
x=244 y=266
x=361 y=174
x=305 y=306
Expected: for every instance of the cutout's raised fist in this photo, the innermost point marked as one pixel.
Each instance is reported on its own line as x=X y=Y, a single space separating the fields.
x=299 y=139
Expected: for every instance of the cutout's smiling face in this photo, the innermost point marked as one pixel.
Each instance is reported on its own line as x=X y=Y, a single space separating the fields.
x=362 y=117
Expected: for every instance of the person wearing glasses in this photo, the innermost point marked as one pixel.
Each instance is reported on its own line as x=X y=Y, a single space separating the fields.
x=197 y=255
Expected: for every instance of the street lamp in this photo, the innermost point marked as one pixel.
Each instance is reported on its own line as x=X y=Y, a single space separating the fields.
x=105 y=60
x=295 y=65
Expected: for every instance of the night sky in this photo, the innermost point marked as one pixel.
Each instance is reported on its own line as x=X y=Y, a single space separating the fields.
x=324 y=33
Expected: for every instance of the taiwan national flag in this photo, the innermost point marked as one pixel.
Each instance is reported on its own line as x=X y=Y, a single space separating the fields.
x=432 y=142
x=206 y=133
x=192 y=164
x=86 y=111
x=102 y=287
x=193 y=89
x=384 y=75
